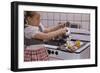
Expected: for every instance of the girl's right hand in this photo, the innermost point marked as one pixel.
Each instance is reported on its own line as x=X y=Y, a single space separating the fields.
x=64 y=30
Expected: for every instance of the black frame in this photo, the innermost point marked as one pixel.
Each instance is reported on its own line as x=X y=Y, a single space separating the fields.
x=14 y=35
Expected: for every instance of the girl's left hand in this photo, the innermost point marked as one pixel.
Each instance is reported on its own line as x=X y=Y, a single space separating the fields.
x=61 y=25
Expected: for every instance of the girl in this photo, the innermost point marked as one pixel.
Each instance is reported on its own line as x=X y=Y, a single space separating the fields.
x=34 y=29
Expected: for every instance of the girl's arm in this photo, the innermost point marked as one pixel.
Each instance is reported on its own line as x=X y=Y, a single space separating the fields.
x=50 y=35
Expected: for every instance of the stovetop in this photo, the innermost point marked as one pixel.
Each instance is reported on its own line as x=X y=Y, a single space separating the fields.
x=63 y=54
x=83 y=46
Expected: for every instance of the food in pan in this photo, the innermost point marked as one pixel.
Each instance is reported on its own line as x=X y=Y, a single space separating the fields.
x=77 y=43
x=72 y=47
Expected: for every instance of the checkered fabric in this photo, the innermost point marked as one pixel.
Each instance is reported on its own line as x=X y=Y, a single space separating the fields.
x=39 y=54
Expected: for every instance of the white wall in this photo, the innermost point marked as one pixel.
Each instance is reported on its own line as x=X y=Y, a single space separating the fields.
x=5 y=35
x=82 y=20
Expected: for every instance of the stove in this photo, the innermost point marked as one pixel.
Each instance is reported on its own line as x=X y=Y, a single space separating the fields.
x=63 y=54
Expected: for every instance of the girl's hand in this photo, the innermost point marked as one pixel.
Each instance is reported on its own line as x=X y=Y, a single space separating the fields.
x=61 y=25
x=64 y=30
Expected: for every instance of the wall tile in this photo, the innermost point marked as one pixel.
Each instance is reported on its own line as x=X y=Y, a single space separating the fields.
x=70 y=16
x=53 y=18
x=86 y=17
x=56 y=22
x=85 y=25
x=56 y=16
x=44 y=22
x=63 y=16
x=50 y=23
x=43 y=15
x=50 y=15
x=77 y=17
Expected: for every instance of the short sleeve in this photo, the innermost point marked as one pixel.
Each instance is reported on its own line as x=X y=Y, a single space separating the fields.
x=30 y=32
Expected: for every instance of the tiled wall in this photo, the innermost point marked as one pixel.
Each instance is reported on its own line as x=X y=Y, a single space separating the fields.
x=53 y=18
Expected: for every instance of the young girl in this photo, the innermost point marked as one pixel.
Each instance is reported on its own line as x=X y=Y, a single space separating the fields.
x=34 y=29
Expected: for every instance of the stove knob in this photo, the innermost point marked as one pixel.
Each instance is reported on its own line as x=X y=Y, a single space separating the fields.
x=56 y=52
x=49 y=51
x=52 y=52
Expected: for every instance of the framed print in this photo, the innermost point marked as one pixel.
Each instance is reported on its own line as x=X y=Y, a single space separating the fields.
x=52 y=36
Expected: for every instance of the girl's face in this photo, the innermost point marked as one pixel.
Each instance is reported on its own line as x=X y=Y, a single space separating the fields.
x=34 y=20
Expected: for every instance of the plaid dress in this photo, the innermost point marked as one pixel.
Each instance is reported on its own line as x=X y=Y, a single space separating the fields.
x=35 y=53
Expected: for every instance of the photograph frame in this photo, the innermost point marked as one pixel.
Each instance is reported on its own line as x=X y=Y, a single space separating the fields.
x=14 y=35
